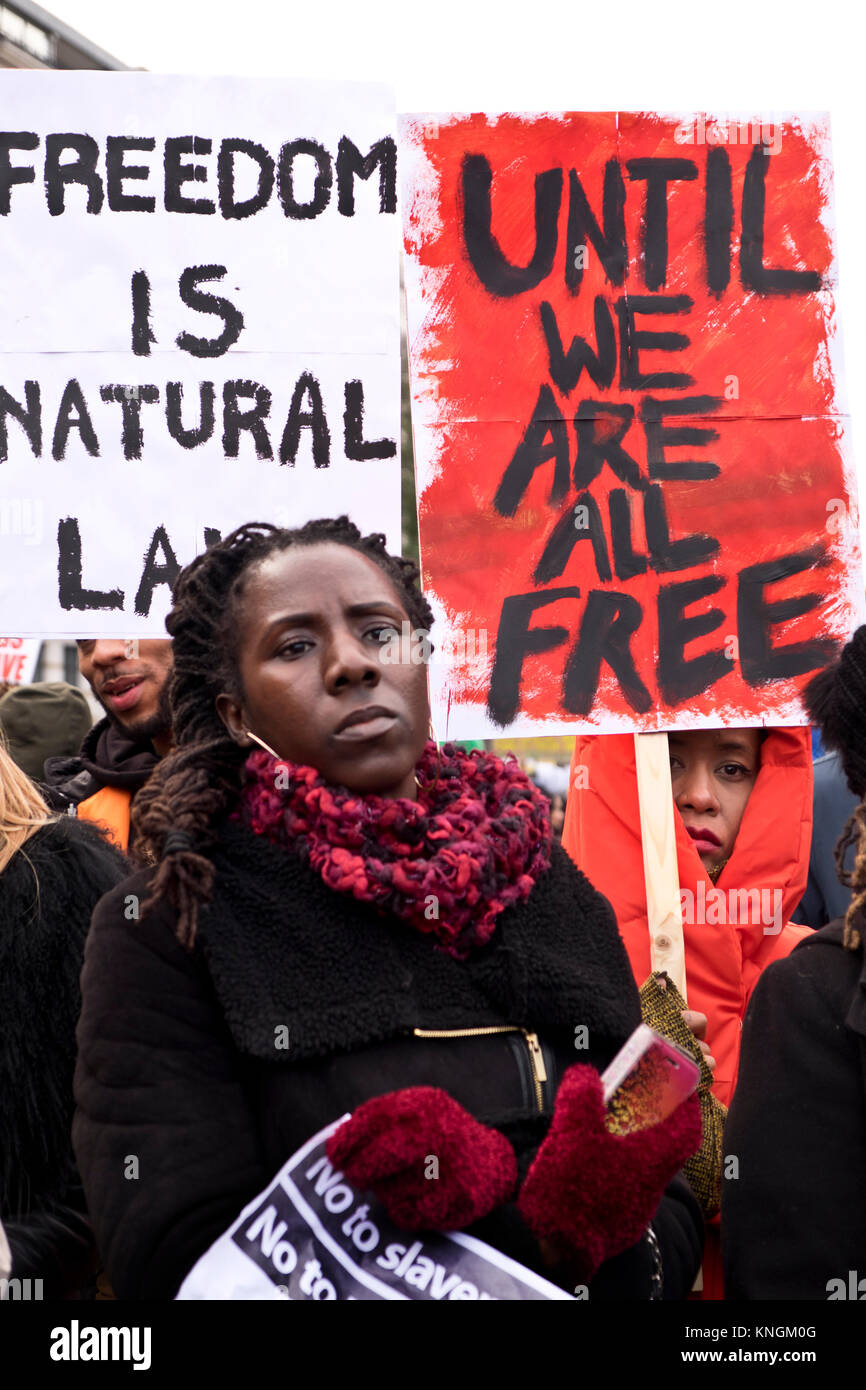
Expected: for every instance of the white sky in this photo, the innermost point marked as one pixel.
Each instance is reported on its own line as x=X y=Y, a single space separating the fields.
x=764 y=57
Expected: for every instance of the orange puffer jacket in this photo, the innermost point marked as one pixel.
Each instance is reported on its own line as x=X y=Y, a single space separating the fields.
x=724 y=957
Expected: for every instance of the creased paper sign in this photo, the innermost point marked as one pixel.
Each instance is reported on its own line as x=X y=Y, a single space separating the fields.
x=199 y=327
x=636 y=500
x=310 y=1235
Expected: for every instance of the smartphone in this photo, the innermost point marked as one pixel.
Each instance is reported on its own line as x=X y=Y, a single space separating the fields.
x=646 y=1081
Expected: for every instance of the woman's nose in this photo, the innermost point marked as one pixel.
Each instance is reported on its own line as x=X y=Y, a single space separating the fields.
x=349 y=661
x=696 y=790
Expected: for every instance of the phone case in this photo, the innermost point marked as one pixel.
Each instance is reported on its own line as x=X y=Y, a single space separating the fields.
x=646 y=1081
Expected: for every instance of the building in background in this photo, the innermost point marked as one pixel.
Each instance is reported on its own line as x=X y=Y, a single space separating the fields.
x=30 y=37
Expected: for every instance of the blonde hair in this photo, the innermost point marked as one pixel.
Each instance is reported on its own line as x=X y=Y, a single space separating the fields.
x=22 y=809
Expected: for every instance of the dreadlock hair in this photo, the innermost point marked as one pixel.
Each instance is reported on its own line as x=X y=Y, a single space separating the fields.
x=835 y=700
x=854 y=833
x=177 y=812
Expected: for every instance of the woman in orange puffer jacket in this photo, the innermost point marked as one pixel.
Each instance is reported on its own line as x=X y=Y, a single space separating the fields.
x=768 y=802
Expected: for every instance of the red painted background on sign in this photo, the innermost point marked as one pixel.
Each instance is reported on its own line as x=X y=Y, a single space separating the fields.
x=647 y=628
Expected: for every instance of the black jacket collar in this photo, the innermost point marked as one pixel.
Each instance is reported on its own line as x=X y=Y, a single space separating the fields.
x=109 y=757
x=286 y=952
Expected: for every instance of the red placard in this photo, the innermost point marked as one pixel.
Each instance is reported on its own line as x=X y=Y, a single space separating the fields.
x=636 y=504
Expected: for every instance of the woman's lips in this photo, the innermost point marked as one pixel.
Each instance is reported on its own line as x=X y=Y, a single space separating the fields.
x=362 y=730
x=705 y=841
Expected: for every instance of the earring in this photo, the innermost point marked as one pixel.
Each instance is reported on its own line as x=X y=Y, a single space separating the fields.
x=438 y=753
x=260 y=741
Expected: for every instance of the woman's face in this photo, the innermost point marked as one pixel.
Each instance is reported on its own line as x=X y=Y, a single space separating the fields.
x=319 y=683
x=713 y=772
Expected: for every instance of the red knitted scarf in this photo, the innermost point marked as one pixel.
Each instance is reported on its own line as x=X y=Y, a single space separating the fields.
x=475 y=841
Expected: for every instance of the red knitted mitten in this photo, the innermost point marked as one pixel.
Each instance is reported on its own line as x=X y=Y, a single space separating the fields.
x=386 y=1147
x=595 y=1191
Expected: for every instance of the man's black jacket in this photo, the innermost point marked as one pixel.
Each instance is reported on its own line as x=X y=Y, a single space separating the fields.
x=109 y=757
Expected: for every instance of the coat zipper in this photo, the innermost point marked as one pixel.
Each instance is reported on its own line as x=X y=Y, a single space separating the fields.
x=536 y=1056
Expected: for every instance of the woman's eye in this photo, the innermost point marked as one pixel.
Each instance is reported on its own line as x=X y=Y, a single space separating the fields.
x=735 y=770
x=296 y=647
x=382 y=633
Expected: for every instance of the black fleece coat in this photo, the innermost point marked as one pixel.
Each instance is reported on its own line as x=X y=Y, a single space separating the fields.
x=794 y=1210
x=47 y=894
x=182 y=1062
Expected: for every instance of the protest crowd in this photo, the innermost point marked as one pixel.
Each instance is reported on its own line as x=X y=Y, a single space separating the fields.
x=251 y=839
x=477 y=917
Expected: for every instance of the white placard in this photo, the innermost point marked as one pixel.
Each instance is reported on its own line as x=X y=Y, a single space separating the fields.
x=199 y=296
x=310 y=1235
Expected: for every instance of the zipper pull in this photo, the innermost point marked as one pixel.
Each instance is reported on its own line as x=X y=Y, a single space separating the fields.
x=536 y=1054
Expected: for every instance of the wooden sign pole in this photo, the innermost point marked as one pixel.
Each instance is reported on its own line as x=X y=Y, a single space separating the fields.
x=661 y=873
x=658 y=838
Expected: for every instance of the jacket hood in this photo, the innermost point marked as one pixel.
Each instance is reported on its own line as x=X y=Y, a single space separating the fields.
x=724 y=956
x=109 y=757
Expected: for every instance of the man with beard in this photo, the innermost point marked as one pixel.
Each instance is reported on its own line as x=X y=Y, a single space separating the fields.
x=130 y=680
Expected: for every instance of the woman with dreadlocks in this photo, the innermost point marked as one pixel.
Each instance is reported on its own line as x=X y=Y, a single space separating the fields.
x=793 y=1208
x=340 y=917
